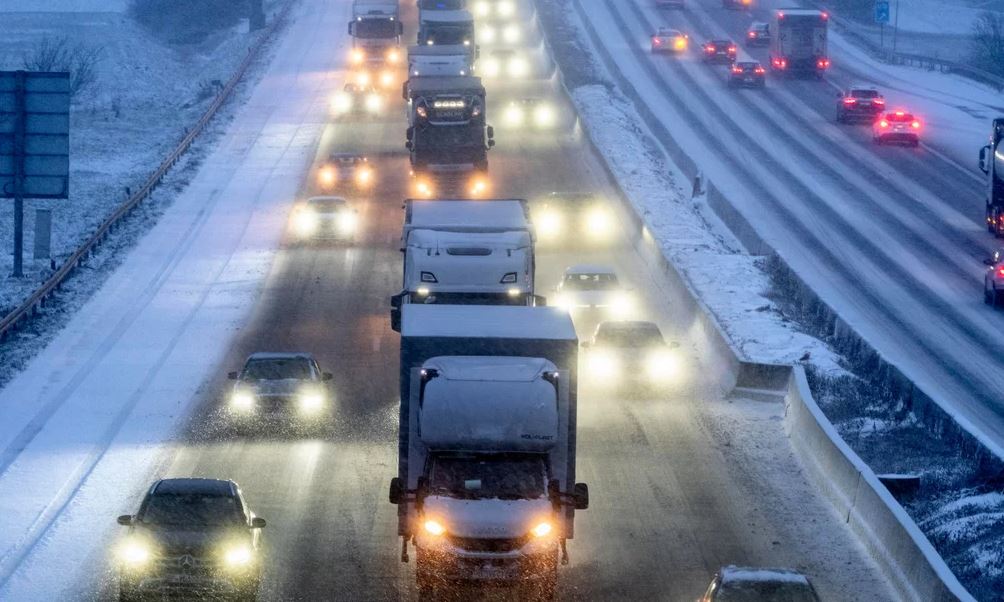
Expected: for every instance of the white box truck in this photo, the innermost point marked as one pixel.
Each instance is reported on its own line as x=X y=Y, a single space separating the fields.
x=486 y=485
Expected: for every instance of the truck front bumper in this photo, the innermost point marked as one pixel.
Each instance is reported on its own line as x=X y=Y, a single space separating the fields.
x=449 y=563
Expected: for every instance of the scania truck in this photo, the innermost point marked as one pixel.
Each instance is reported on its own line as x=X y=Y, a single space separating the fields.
x=464 y=252
x=798 y=43
x=439 y=61
x=486 y=487
x=446 y=28
x=448 y=133
x=376 y=30
x=992 y=164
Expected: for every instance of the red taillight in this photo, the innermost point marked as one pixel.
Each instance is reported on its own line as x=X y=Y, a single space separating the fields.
x=1000 y=271
x=751 y=35
x=823 y=63
x=779 y=63
x=709 y=48
x=825 y=15
x=915 y=125
x=656 y=42
x=883 y=124
x=737 y=69
x=732 y=49
x=878 y=101
x=850 y=101
x=759 y=71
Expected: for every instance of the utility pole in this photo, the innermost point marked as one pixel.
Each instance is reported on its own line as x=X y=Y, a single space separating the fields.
x=21 y=109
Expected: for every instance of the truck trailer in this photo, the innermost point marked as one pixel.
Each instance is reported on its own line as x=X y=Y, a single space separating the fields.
x=992 y=164
x=376 y=30
x=461 y=252
x=798 y=43
x=486 y=487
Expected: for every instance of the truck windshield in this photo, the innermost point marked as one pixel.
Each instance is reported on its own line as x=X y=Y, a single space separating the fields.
x=502 y=476
x=376 y=28
x=502 y=298
x=441 y=4
x=443 y=35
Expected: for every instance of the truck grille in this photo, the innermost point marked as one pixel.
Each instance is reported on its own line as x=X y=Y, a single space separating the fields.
x=477 y=544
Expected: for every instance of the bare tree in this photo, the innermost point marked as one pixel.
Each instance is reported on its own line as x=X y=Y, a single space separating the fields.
x=58 y=54
x=988 y=42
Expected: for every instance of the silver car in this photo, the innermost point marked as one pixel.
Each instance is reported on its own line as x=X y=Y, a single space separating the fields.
x=289 y=387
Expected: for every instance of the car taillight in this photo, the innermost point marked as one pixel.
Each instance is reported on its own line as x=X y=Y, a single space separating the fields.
x=736 y=69
x=915 y=125
x=732 y=49
x=823 y=63
x=1000 y=271
x=709 y=48
x=850 y=101
x=883 y=124
x=657 y=41
x=759 y=70
x=751 y=35
x=878 y=101
x=780 y=63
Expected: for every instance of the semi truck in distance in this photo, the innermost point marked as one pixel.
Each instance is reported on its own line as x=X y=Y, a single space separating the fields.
x=448 y=136
x=992 y=164
x=463 y=252
x=439 y=61
x=376 y=30
x=486 y=487
x=798 y=44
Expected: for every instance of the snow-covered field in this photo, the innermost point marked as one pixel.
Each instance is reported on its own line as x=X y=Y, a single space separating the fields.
x=73 y=6
x=145 y=95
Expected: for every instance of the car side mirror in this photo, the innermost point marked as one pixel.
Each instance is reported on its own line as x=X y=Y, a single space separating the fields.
x=126 y=520
x=327 y=376
x=232 y=375
x=580 y=494
x=984 y=155
x=257 y=523
x=396 y=493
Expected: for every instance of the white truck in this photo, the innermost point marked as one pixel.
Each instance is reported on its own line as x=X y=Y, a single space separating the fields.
x=446 y=28
x=376 y=30
x=462 y=252
x=439 y=61
x=486 y=487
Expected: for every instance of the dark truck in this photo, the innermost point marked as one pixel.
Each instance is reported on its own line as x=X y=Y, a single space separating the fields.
x=798 y=43
x=992 y=164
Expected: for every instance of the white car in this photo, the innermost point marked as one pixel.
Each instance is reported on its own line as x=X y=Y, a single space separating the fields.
x=896 y=126
x=631 y=352
x=993 y=281
x=286 y=386
x=754 y=583
x=669 y=40
x=325 y=218
x=593 y=287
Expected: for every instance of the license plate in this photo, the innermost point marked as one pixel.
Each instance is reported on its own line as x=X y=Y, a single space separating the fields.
x=489 y=571
x=458 y=114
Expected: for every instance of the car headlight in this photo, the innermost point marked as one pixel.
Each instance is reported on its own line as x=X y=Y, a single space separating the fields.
x=506 y=8
x=386 y=79
x=487 y=34
x=311 y=401
x=598 y=223
x=306 y=222
x=547 y=223
x=661 y=366
x=512 y=33
x=563 y=301
x=238 y=556
x=482 y=8
x=604 y=365
x=374 y=103
x=513 y=116
x=543 y=116
x=518 y=67
x=347 y=222
x=242 y=400
x=491 y=67
x=134 y=553
x=341 y=103
x=363 y=78
x=434 y=527
x=542 y=529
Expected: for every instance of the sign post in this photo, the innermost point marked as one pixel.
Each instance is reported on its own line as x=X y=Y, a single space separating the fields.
x=882 y=18
x=34 y=143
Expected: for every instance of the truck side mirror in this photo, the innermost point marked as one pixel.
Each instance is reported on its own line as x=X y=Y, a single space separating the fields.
x=984 y=164
x=581 y=496
x=409 y=133
x=232 y=375
x=395 y=319
x=408 y=145
x=352 y=28
x=126 y=520
x=404 y=90
x=491 y=133
x=491 y=143
x=400 y=28
x=396 y=493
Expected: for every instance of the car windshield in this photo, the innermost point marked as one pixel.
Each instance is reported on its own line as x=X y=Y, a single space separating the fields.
x=327 y=205
x=590 y=282
x=191 y=509
x=629 y=336
x=864 y=93
x=503 y=476
x=757 y=591
x=277 y=369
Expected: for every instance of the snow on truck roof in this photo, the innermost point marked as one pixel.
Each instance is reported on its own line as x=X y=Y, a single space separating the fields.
x=446 y=240
x=454 y=215
x=447 y=16
x=486 y=321
x=490 y=367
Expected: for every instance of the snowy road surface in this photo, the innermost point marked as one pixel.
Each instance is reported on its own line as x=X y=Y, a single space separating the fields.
x=890 y=237
x=681 y=484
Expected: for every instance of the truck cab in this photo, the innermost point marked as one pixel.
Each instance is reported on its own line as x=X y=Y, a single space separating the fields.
x=439 y=61
x=448 y=131
x=376 y=30
x=446 y=28
x=460 y=252
x=485 y=489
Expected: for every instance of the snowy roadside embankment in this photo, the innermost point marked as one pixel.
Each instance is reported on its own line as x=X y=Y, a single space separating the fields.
x=144 y=96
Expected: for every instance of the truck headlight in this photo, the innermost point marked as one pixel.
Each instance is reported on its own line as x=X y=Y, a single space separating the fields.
x=242 y=400
x=306 y=222
x=393 y=56
x=512 y=33
x=434 y=527
x=364 y=176
x=518 y=67
x=506 y=8
x=543 y=116
x=374 y=103
x=491 y=67
x=661 y=366
x=547 y=222
x=327 y=176
x=238 y=556
x=134 y=553
x=386 y=79
x=358 y=56
x=542 y=529
x=482 y=8
x=341 y=103
x=513 y=116
x=598 y=223
x=347 y=222
x=487 y=34
x=621 y=304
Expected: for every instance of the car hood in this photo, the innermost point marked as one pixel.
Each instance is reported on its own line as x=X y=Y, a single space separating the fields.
x=488 y=518
x=196 y=541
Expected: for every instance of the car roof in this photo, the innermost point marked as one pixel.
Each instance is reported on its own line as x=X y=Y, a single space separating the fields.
x=745 y=574
x=348 y=157
x=192 y=485
x=589 y=269
x=280 y=355
x=663 y=30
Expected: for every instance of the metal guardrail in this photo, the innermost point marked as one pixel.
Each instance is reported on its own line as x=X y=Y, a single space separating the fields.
x=38 y=299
